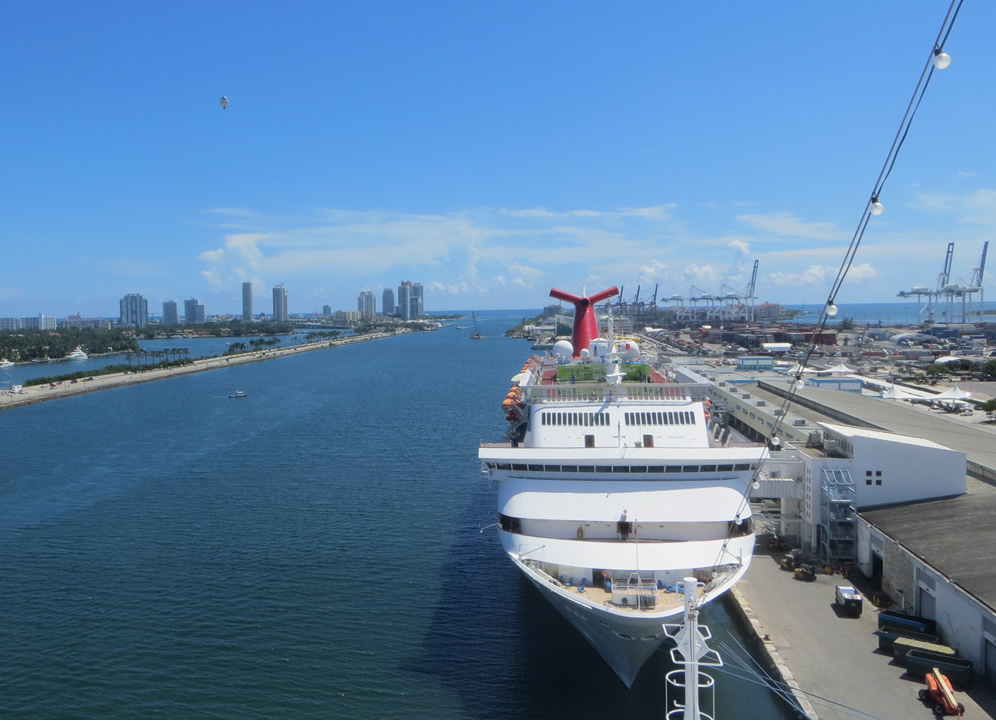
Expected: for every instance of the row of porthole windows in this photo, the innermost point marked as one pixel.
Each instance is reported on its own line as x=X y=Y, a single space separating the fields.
x=574 y=418
x=598 y=469
x=659 y=418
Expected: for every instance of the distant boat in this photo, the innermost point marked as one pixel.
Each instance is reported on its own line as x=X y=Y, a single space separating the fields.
x=78 y=355
x=477 y=332
x=238 y=395
x=5 y=364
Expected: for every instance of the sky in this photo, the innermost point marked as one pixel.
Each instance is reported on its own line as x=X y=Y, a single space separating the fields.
x=490 y=150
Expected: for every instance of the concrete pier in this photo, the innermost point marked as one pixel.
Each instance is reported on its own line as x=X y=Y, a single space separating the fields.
x=833 y=661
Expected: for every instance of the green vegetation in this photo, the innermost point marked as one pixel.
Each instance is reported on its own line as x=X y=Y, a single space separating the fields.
x=34 y=345
x=114 y=369
x=258 y=344
x=990 y=408
x=847 y=324
x=596 y=372
x=231 y=328
x=521 y=327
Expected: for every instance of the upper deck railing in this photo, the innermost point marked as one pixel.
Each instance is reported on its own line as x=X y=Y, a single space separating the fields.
x=605 y=392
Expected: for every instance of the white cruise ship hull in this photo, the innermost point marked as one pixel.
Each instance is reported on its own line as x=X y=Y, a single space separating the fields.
x=624 y=637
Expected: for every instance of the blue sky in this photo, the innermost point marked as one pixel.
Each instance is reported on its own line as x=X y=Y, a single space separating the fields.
x=489 y=150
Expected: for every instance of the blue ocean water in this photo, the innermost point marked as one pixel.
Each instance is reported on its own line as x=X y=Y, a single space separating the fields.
x=900 y=313
x=319 y=549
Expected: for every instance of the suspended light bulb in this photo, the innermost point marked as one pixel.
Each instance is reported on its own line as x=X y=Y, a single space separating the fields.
x=831 y=308
x=876 y=206
x=941 y=59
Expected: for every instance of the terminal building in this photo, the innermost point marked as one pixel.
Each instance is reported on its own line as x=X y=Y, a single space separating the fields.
x=905 y=494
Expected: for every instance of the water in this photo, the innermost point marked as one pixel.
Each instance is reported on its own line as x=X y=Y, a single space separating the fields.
x=894 y=314
x=312 y=551
x=200 y=347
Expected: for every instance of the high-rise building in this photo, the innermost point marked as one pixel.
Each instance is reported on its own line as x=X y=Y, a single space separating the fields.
x=134 y=311
x=418 y=301
x=387 y=303
x=193 y=312
x=247 y=301
x=410 y=300
x=280 y=303
x=326 y=310
x=366 y=304
x=170 y=317
x=405 y=300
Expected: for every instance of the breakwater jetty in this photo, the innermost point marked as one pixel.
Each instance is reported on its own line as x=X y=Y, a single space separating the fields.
x=48 y=392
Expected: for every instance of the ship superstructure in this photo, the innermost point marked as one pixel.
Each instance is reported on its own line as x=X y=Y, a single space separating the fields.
x=613 y=487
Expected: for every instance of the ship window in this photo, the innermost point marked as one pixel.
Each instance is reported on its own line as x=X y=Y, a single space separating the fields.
x=724 y=467
x=519 y=467
x=637 y=470
x=745 y=527
x=586 y=469
x=741 y=467
x=690 y=469
x=567 y=468
x=603 y=469
x=589 y=441
x=708 y=468
x=504 y=467
x=510 y=524
x=672 y=469
x=551 y=467
x=535 y=467
x=620 y=469
x=691 y=417
x=648 y=441
x=655 y=469
x=626 y=418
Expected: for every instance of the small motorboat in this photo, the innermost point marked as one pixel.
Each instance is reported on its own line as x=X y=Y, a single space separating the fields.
x=238 y=395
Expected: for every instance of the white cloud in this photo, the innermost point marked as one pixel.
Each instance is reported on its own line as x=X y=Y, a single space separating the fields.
x=739 y=247
x=815 y=275
x=786 y=224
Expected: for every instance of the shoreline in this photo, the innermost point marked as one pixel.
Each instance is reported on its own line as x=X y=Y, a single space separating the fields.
x=37 y=394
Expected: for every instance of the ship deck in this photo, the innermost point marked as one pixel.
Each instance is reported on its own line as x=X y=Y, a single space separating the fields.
x=598 y=596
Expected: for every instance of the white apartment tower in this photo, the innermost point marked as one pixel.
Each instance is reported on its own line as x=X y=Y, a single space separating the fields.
x=247 y=301
x=366 y=304
x=280 y=303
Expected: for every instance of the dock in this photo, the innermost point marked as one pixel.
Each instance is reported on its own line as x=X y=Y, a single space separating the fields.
x=830 y=660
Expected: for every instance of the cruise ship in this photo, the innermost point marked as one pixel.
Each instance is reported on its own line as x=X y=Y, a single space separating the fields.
x=616 y=483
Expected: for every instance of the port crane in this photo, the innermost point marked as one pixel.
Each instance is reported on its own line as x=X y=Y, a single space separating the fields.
x=963 y=288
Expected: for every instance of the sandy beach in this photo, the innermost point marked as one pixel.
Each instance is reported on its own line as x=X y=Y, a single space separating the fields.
x=47 y=392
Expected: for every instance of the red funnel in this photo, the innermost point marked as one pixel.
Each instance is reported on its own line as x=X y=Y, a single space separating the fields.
x=585 y=323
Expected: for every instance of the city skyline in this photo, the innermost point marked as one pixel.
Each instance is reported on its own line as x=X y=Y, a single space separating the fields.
x=562 y=146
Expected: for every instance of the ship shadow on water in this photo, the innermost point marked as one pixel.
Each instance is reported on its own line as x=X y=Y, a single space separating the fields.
x=507 y=653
